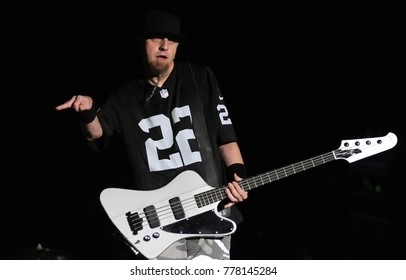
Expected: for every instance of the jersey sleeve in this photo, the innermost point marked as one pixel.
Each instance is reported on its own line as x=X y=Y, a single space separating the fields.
x=220 y=113
x=112 y=114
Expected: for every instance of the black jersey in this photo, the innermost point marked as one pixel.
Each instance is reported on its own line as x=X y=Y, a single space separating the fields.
x=157 y=127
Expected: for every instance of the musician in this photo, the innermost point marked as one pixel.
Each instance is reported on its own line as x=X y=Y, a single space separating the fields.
x=172 y=119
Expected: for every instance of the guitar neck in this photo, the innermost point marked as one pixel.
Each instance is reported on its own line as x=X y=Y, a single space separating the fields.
x=283 y=172
x=218 y=194
x=350 y=150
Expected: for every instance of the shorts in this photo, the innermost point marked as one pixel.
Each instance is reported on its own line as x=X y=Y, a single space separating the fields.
x=198 y=249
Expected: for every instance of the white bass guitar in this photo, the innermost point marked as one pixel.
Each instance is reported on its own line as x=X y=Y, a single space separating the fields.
x=150 y=221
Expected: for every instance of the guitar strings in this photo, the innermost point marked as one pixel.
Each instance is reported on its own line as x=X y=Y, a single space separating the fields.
x=166 y=212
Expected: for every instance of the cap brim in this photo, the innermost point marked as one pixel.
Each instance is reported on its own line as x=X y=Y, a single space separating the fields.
x=171 y=36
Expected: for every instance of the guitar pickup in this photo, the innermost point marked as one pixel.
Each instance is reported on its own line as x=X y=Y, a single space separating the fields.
x=152 y=216
x=177 y=208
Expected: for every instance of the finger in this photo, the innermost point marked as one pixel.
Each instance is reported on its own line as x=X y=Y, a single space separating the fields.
x=239 y=192
x=235 y=192
x=228 y=205
x=230 y=195
x=236 y=177
x=67 y=104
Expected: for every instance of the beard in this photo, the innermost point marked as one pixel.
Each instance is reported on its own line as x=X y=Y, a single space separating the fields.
x=158 y=67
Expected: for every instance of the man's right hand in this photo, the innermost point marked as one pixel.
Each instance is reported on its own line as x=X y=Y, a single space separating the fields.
x=79 y=103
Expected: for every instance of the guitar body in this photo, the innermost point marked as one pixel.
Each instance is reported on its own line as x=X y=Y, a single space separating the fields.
x=152 y=220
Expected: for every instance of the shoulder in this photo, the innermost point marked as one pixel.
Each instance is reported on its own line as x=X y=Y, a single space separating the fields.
x=129 y=90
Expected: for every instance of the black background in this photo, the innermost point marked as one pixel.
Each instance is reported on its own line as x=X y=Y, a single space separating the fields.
x=298 y=77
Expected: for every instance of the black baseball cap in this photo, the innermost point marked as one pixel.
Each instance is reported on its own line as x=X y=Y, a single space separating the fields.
x=160 y=23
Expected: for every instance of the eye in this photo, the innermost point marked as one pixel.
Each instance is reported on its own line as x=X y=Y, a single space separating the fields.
x=173 y=39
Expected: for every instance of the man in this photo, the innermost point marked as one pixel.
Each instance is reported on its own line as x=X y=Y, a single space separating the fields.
x=172 y=120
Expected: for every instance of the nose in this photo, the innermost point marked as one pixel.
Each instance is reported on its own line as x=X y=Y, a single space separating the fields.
x=163 y=46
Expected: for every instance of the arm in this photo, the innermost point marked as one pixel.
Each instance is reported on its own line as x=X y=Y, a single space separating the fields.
x=231 y=155
x=84 y=105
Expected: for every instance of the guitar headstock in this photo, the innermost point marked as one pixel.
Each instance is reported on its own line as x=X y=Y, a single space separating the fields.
x=356 y=149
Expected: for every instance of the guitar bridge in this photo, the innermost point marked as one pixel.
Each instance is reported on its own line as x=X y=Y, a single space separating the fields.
x=134 y=221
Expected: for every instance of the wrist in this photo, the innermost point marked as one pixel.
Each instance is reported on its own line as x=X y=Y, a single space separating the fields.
x=87 y=116
x=236 y=168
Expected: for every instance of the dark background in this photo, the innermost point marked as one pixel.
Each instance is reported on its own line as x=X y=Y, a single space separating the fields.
x=298 y=77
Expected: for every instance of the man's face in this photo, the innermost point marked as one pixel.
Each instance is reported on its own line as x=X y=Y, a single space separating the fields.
x=160 y=53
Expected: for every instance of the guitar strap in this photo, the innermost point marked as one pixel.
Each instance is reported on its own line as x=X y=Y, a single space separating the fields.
x=199 y=123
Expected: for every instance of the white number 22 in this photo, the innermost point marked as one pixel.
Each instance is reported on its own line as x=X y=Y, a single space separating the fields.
x=185 y=156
